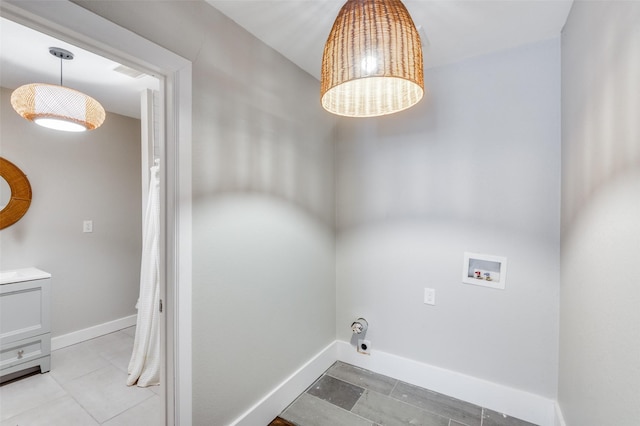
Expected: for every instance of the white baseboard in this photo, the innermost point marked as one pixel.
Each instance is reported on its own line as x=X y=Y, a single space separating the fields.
x=79 y=336
x=272 y=404
x=513 y=402
x=559 y=420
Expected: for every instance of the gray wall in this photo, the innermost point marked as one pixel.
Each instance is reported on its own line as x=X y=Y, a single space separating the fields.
x=263 y=221
x=474 y=167
x=600 y=293
x=76 y=176
x=263 y=206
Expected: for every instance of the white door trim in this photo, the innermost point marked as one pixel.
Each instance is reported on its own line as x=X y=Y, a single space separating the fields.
x=70 y=22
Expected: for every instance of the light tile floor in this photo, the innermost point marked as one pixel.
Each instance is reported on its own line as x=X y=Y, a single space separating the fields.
x=352 y=396
x=86 y=386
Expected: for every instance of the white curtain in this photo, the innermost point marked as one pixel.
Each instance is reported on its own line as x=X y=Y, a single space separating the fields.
x=144 y=367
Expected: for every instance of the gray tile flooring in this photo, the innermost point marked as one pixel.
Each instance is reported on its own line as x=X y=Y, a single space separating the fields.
x=86 y=386
x=351 y=396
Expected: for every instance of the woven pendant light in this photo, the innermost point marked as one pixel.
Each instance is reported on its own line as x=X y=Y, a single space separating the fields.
x=58 y=107
x=372 y=62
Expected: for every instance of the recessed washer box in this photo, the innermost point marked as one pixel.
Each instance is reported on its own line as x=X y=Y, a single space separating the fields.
x=485 y=270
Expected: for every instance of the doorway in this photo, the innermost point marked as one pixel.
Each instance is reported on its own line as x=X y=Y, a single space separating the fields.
x=71 y=23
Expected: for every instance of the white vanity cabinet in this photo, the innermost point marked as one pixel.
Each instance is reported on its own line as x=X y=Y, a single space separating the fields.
x=25 y=324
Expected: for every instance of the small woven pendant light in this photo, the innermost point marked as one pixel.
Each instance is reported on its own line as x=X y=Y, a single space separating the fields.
x=372 y=62
x=58 y=107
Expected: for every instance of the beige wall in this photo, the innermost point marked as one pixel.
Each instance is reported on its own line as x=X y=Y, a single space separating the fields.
x=599 y=380
x=263 y=263
x=77 y=176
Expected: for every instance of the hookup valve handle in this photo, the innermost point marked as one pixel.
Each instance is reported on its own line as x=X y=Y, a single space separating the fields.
x=359 y=326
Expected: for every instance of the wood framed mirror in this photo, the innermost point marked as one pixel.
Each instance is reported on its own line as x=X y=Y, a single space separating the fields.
x=19 y=193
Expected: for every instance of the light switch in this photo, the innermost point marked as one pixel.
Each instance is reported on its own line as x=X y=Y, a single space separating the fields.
x=87 y=226
x=430 y=296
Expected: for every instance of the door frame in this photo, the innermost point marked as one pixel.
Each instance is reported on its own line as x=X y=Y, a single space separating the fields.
x=78 y=26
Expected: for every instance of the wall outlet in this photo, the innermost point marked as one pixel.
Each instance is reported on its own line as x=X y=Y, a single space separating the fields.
x=430 y=296
x=364 y=346
x=87 y=226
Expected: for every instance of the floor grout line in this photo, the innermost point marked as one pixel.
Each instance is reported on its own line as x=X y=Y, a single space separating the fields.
x=8 y=420
x=356 y=403
x=360 y=385
x=405 y=403
x=428 y=411
x=395 y=385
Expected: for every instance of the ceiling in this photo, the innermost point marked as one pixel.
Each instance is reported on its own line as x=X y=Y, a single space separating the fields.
x=455 y=30
x=25 y=58
x=452 y=30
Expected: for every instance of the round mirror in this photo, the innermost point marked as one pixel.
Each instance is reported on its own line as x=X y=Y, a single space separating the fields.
x=15 y=199
x=5 y=193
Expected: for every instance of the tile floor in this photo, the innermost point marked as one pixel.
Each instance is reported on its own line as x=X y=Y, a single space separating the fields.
x=351 y=396
x=85 y=387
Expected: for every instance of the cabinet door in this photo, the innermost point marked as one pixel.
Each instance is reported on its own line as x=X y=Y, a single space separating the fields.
x=24 y=310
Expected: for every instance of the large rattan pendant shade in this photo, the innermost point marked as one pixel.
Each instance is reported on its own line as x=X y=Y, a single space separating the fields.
x=372 y=62
x=56 y=106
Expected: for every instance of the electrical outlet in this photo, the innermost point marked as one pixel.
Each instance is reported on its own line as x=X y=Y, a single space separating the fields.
x=364 y=346
x=87 y=226
x=430 y=296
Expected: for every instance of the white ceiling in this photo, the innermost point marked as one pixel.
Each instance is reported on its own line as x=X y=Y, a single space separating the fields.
x=298 y=29
x=455 y=29
x=25 y=58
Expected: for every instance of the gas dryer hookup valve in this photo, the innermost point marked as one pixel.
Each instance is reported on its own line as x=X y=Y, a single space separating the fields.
x=359 y=326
